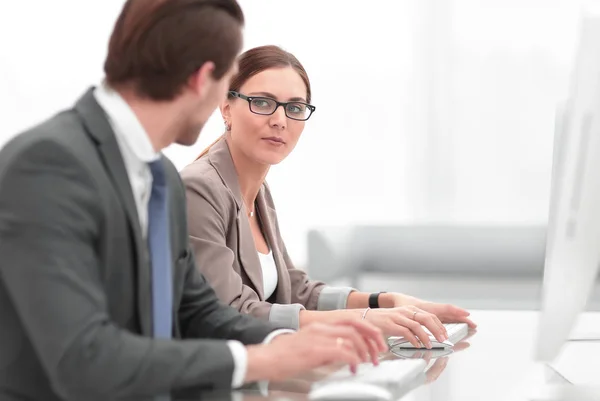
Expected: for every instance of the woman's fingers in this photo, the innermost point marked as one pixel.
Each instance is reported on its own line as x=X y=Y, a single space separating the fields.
x=433 y=324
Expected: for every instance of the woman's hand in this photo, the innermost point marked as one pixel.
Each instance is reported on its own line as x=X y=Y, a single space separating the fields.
x=407 y=321
x=445 y=312
x=448 y=313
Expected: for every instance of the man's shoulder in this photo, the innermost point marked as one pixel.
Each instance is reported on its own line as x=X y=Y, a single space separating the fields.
x=61 y=134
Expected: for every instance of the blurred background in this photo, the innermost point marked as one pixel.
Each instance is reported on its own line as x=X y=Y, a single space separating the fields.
x=431 y=115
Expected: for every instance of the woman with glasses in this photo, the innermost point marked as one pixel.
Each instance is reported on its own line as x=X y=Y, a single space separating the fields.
x=233 y=223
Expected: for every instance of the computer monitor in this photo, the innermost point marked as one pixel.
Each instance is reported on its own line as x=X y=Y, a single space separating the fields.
x=573 y=249
x=558 y=157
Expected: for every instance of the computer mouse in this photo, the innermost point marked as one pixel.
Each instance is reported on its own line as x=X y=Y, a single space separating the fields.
x=347 y=390
x=400 y=342
x=420 y=353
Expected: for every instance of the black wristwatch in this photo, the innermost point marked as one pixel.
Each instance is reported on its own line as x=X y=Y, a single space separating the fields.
x=374 y=299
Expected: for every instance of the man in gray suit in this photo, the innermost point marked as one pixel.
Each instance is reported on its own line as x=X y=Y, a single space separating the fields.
x=99 y=294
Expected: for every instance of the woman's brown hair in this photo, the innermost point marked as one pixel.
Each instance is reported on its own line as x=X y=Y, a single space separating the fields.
x=257 y=60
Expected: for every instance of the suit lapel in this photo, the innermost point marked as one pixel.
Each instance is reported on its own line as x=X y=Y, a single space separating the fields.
x=220 y=159
x=268 y=219
x=97 y=124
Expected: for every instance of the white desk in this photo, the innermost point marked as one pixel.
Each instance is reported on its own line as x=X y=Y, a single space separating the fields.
x=496 y=366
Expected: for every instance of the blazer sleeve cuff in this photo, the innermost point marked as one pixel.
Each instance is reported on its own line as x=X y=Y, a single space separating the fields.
x=333 y=298
x=286 y=315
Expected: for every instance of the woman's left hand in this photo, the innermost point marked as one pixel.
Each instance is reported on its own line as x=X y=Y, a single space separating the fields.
x=445 y=312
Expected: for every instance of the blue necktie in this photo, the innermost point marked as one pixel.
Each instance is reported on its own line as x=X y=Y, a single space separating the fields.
x=159 y=244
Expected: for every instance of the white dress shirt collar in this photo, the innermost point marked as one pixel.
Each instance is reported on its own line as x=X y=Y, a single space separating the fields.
x=135 y=146
x=126 y=124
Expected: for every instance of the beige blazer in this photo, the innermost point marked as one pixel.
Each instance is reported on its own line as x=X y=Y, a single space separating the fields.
x=225 y=251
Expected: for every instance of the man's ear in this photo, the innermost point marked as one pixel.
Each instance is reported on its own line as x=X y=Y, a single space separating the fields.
x=201 y=80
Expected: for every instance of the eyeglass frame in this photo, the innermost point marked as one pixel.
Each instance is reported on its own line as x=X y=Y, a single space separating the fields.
x=249 y=99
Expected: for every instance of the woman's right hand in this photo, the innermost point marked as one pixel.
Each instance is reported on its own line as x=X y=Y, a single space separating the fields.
x=407 y=322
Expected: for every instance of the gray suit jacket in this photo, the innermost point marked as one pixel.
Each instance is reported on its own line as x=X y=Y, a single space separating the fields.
x=75 y=290
x=219 y=231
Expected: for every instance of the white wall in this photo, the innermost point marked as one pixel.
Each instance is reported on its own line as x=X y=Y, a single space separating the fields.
x=427 y=110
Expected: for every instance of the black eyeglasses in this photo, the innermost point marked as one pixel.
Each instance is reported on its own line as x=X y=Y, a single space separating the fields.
x=266 y=106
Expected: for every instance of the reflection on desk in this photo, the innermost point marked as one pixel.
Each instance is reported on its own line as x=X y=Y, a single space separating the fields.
x=494 y=364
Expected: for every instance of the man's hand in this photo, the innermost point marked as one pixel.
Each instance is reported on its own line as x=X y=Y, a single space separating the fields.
x=315 y=345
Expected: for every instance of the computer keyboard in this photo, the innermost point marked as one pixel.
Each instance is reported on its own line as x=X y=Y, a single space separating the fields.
x=369 y=382
x=456 y=332
x=387 y=372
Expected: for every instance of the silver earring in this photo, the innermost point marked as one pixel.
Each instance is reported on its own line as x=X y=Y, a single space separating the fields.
x=227 y=126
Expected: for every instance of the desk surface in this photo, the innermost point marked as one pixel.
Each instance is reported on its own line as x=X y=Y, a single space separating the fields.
x=495 y=365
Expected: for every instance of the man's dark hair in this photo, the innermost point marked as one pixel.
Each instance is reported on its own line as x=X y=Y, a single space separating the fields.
x=156 y=45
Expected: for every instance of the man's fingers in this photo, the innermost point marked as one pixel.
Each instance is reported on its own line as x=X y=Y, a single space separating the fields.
x=374 y=352
x=334 y=354
x=347 y=336
x=358 y=342
x=370 y=332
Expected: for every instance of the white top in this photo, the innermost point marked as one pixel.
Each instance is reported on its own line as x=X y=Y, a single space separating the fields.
x=269 y=272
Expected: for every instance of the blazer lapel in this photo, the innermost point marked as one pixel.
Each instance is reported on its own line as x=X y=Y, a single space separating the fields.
x=220 y=159
x=268 y=219
x=97 y=124
x=248 y=254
